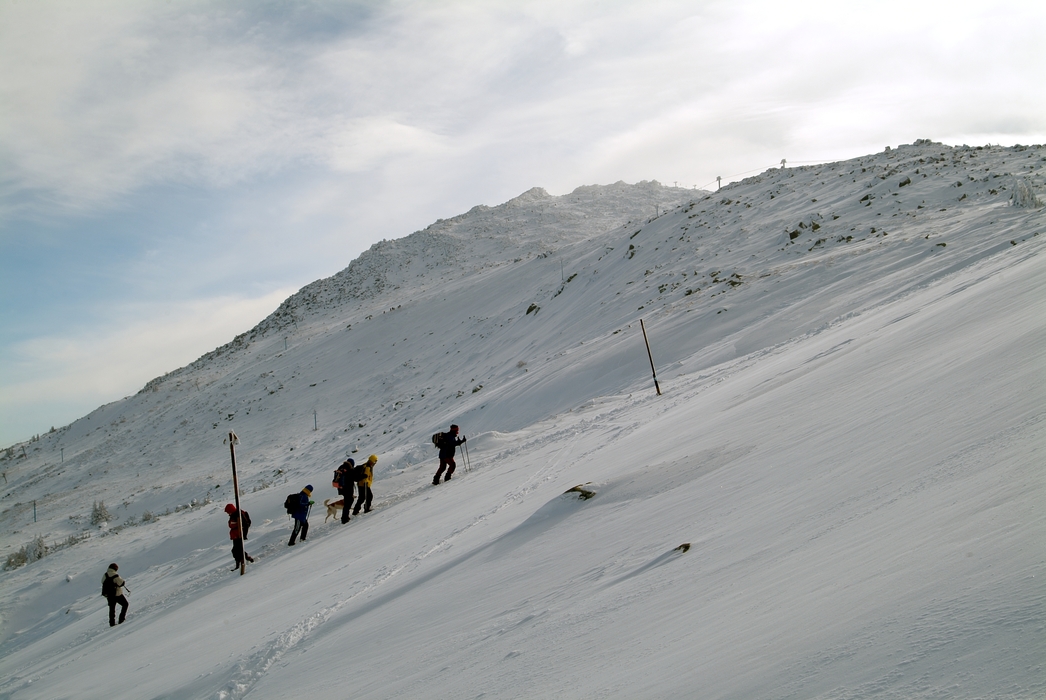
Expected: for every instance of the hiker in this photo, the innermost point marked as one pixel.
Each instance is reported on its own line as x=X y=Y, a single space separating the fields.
x=344 y=482
x=301 y=514
x=238 y=552
x=364 y=478
x=113 y=588
x=447 y=443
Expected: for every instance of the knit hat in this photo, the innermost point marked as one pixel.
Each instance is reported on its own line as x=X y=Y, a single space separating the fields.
x=373 y=459
x=230 y=509
x=114 y=567
x=453 y=428
x=308 y=489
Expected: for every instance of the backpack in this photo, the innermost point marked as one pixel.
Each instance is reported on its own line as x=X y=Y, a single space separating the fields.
x=437 y=439
x=291 y=503
x=246 y=520
x=337 y=478
x=108 y=586
x=359 y=472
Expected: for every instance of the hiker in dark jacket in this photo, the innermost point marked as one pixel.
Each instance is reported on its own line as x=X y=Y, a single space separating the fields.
x=113 y=588
x=345 y=488
x=364 y=478
x=238 y=552
x=301 y=515
x=447 y=443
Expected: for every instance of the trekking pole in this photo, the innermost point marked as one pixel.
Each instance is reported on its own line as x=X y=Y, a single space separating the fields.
x=236 y=496
x=653 y=371
x=468 y=464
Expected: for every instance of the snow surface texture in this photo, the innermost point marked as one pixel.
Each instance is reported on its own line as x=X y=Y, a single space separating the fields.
x=838 y=495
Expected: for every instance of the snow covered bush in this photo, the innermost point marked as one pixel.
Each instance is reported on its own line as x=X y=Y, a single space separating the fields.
x=37 y=549
x=1024 y=196
x=99 y=514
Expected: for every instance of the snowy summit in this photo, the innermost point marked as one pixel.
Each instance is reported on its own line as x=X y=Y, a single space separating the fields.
x=837 y=493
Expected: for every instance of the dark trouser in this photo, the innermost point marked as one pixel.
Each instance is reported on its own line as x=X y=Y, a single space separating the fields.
x=444 y=463
x=346 y=494
x=301 y=526
x=113 y=600
x=366 y=496
x=238 y=553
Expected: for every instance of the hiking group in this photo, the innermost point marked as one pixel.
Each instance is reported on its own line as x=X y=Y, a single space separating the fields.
x=362 y=475
x=350 y=479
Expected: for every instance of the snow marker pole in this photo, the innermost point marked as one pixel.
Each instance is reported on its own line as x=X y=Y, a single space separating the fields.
x=648 y=354
x=236 y=496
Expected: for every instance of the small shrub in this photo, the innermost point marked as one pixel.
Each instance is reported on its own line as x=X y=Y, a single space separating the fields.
x=99 y=513
x=35 y=550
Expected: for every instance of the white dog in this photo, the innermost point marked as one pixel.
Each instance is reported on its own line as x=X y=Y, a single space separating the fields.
x=333 y=507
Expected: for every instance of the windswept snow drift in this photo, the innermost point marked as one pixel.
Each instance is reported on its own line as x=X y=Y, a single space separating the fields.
x=838 y=495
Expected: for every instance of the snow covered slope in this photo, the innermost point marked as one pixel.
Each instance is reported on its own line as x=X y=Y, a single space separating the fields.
x=838 y=495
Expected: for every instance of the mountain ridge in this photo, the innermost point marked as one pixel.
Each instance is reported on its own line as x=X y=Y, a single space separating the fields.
x=847 y=362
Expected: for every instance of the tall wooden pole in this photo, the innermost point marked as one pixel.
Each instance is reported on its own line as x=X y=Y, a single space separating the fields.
x=236 y=496
x=648 y=354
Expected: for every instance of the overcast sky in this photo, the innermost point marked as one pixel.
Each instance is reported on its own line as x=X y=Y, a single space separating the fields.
x=171 y=171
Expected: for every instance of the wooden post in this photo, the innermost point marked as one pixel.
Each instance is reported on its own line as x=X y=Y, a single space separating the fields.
x=648 y=354
x=236 y=496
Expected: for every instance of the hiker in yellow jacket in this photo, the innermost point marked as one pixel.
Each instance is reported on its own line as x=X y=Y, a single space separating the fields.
x=364 y=478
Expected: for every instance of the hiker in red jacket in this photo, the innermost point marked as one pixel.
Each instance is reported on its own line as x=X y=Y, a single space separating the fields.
x=238 y=553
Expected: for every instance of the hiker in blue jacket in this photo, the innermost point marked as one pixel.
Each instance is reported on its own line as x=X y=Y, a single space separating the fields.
x=301 y=515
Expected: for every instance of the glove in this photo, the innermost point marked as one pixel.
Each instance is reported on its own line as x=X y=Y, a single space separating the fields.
x=464 y=439
x=312 y=503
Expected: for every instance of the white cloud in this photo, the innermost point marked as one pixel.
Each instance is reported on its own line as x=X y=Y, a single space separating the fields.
x=141 y=94
x=84 y=368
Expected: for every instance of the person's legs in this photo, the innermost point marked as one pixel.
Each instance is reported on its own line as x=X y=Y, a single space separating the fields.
x=304 y=529
x=450 y=467
x=443 y=464
x=294 y=532
x=346 y=495
x=123 y=608
x=112 y=611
